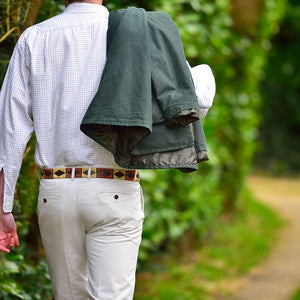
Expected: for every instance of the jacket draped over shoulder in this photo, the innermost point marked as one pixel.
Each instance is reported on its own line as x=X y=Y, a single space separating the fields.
x=145 y=111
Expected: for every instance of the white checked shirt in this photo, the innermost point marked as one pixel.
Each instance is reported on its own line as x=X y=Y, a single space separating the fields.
x=53 y=75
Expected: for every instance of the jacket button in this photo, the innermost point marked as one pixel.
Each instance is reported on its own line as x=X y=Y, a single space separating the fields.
x=45 y=200
x=116 y=197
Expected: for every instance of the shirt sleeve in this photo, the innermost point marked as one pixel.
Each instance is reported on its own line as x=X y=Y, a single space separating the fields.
x=205 y=87
x=16 y=124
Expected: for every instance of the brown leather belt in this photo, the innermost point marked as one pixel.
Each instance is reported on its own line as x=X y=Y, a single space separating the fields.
x=131 y=175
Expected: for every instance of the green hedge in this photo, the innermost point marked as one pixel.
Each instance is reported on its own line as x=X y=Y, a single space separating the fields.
x=280 y=128
x=175 y=202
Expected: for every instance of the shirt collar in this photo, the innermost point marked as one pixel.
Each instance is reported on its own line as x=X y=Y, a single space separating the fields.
x=80 y=8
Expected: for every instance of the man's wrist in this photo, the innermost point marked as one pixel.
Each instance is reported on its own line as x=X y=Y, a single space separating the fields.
x=2 y=212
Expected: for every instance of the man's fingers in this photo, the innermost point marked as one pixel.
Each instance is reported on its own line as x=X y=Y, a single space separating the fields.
x=4 y=249
x=4 y=243
x=8 y=241
x=16 y=238
x=5 y=239
x=5 y=236
x=12 y=243
x=16 y=241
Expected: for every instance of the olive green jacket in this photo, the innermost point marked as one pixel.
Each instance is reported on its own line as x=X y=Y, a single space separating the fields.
x=145 y=111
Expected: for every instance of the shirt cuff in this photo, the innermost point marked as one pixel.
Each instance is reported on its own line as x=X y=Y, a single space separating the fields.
x=203 y=112
x=10 y=180
x=205 y=87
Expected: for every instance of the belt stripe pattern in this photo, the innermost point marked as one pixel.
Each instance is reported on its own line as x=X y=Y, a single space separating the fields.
x=131 y=175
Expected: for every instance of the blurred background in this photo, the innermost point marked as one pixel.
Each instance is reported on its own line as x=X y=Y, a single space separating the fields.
x=197 y=225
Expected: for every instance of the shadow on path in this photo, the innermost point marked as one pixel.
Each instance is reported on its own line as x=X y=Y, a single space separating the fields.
x=278 y=276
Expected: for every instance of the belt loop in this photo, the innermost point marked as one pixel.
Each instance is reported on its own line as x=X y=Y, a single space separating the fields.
x=89 y=172
x=73 y=173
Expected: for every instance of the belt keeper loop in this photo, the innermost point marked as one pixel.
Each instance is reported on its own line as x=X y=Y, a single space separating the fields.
x=135 y=173
x=73 y=173
x=89 y=172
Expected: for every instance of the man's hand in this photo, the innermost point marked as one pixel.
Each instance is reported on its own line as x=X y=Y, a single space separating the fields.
x=8 y=232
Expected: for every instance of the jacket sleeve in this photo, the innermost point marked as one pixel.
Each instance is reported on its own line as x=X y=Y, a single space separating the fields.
x=172 y=83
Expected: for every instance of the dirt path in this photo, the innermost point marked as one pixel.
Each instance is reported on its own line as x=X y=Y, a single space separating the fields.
x=277 y=277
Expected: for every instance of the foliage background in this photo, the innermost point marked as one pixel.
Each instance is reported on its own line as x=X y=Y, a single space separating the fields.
x=280 y=127
x=241 y=41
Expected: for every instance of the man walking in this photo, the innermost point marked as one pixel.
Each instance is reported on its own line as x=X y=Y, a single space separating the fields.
x=90 y=210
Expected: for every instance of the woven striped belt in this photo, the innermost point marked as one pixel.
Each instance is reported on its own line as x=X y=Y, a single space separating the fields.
x=131 y=175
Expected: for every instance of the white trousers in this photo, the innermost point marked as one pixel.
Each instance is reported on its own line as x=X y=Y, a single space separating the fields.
x=91 y=231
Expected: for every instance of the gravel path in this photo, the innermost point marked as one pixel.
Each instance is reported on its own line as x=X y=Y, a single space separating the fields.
x=278 y=276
